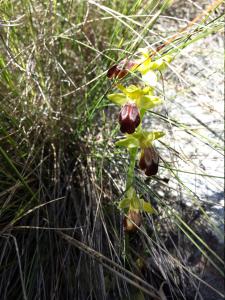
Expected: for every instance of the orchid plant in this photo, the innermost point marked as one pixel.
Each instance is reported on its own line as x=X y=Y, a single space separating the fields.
x=134 y=101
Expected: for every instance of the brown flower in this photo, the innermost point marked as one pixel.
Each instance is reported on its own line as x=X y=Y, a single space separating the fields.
x=129 y=118
x=132 y=218
x=149 y=161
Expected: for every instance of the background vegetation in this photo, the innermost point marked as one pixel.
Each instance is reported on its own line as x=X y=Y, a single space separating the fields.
x=61 y=175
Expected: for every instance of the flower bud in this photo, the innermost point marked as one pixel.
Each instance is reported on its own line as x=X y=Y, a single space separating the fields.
x=149 y=161
x=129 y=118
x=120 y=70
x=115 y=72
x=132 y=218
x=140 y=263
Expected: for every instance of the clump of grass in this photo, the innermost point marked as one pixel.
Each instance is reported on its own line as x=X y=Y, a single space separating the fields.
x=61 y=177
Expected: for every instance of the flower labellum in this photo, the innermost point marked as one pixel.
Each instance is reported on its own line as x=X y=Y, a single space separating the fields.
x=129 y=117
x=132 y=218
x=120 y=70
x=149 y=161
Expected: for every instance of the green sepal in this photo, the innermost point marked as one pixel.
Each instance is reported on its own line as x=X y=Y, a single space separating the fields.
x=154 y=135
x=133 y=202
x=146 y=206
x=127 y=201
x=131 y=193
x=148 y=90
x=124 y=203
x=145 y=138
x=141 y=205
x=143 y=97
x=144 y=61
x=119 y=98
x=148 y=102
x=129 y=142
x=132 y=91
x=161 y=63
x=150 y=135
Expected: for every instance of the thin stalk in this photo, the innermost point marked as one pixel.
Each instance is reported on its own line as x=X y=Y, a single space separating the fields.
x=130 y=173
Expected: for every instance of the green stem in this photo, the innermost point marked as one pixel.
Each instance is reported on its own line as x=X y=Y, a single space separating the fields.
x=142 y=112
x=130 y=173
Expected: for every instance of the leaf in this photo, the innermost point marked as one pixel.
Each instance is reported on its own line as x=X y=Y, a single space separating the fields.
x=124 y=203
x=150 y=78
x=119 y=98
x=129 y=142
x=148 y=102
